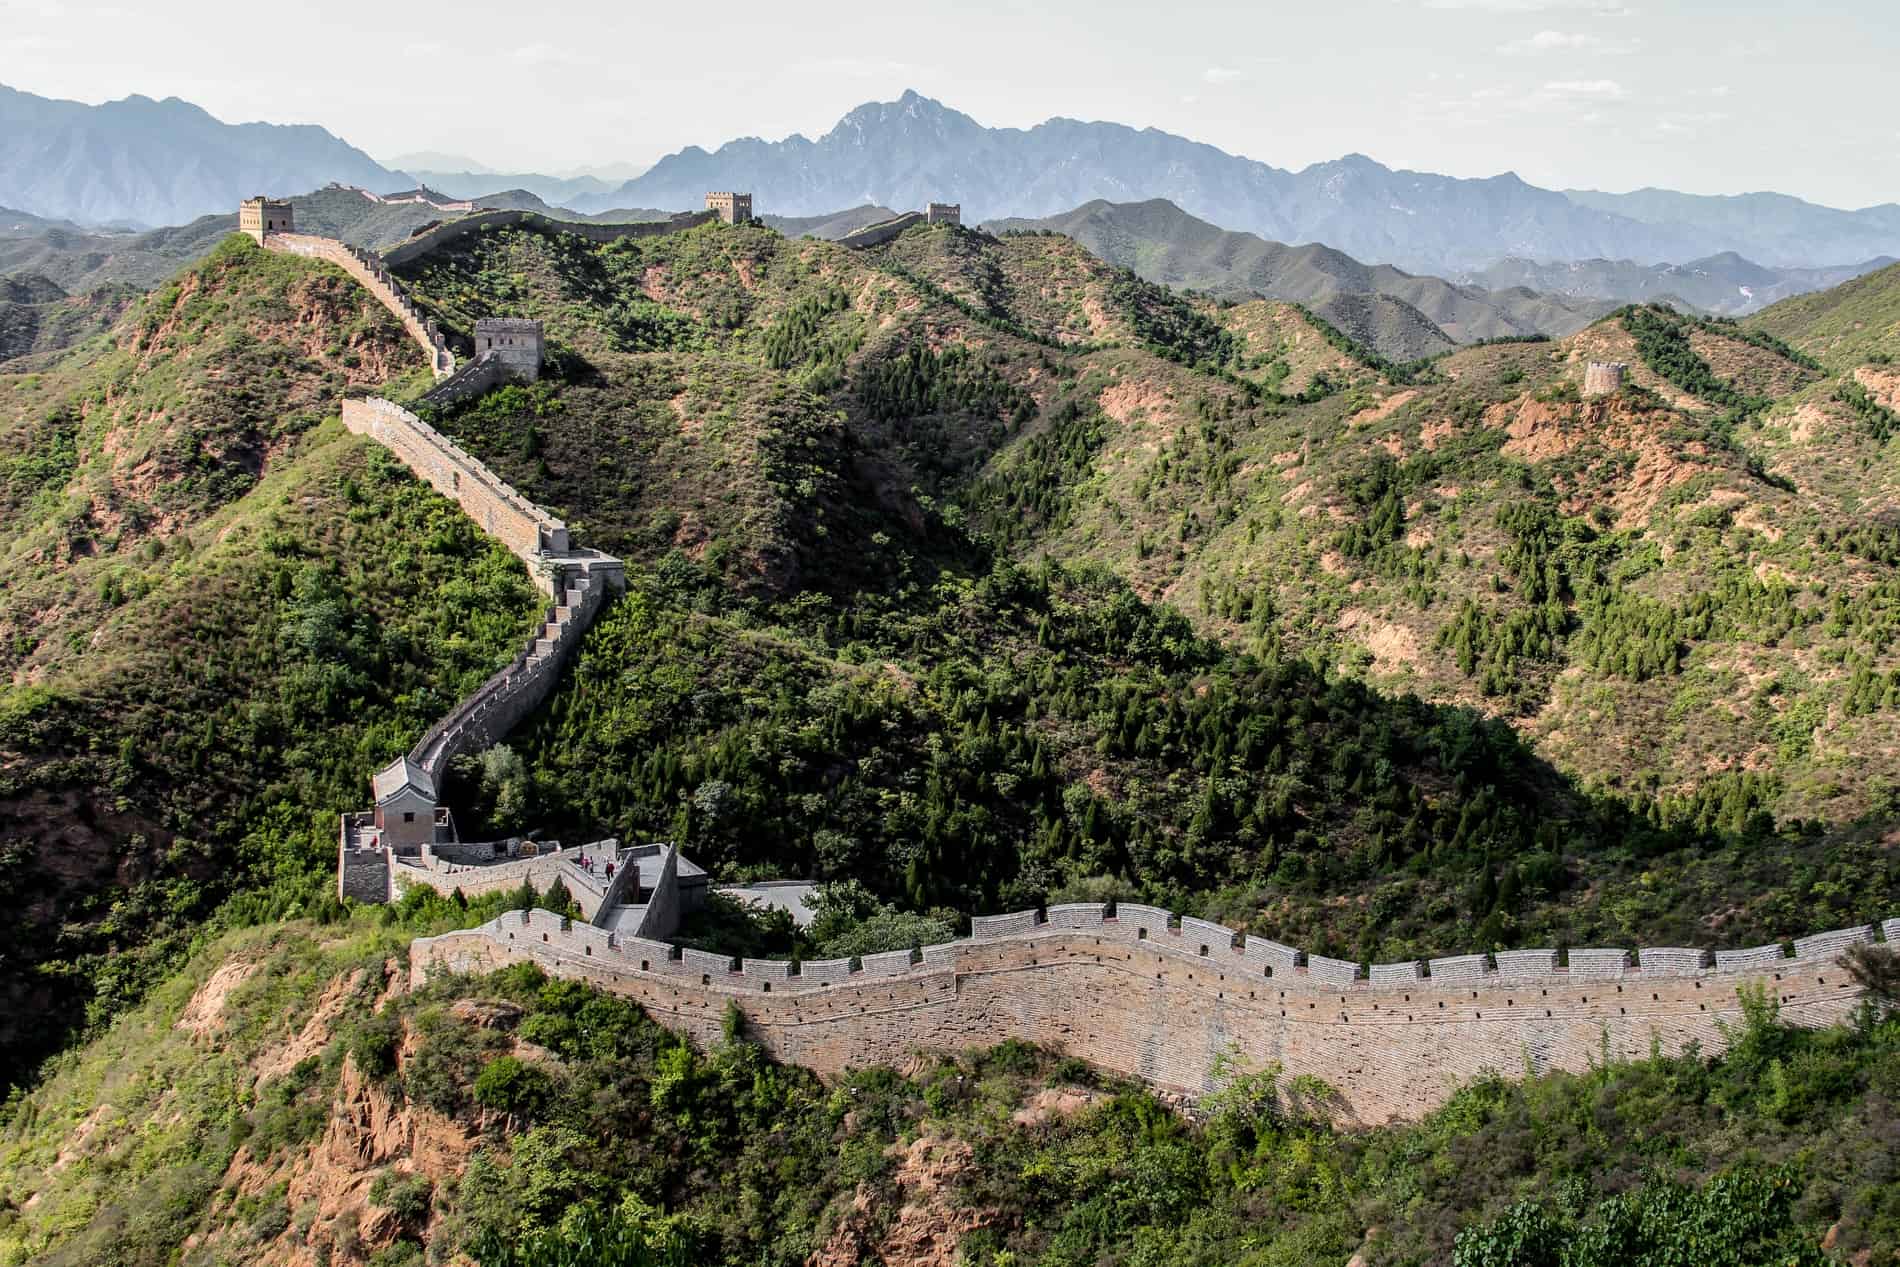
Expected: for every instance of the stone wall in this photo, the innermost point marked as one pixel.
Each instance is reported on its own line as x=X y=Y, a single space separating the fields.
x=485 y=373
x=502 y=877
x=496 y=508
x=504 y=700
x=455 y=230
x=373 y=274
x=1144 y=1001
x=882 y=232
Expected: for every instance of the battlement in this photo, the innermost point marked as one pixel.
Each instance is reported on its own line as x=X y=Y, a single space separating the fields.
x=730 y=207
x=1603 y=378
x=944 y=213
x=1162 y=998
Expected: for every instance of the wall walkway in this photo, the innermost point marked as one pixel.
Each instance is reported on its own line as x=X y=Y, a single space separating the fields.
x=370 y=270
x=1139 y=993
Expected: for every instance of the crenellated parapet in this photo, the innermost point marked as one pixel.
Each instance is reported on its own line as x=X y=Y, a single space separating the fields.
x=1142 y=993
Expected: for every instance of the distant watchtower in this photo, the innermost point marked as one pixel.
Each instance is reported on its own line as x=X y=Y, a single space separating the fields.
x=1603 y=378
x=260 y=215
x=732 y=208
x=515 y=341
x=944 y=213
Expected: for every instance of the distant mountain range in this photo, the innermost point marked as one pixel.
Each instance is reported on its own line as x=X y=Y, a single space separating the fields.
x=140 y=162
x=1724 y=284
x=149 y=162
x=1162 y=243
x=907 y=152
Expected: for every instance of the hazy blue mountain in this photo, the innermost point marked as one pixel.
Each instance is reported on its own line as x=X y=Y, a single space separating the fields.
x=1726 y=284
x=555 y=190
x=159 y=162
x=1775 y=228
x=1162 y=243
x=907 y=152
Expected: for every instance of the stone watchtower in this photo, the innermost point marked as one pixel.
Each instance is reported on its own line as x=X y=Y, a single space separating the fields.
x=1603 y=378
x=732 y=208
x=515 y=341
x=944 y=213
x=260 y=215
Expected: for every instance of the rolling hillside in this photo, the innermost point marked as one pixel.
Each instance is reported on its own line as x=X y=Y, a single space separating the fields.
x=1463 y=658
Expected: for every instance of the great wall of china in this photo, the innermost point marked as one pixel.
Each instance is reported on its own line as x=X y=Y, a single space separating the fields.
x=1131 y=989
x=1166 y=1000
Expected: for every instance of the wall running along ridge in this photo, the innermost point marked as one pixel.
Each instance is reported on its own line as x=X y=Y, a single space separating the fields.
x=505 y=700
x=882 y=232
x=374 y=275
x=443 y=234
x=1140 y=994
x=501 y=512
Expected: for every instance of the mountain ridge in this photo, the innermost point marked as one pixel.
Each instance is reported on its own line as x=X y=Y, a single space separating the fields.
x=906 y=152
x=155 y=162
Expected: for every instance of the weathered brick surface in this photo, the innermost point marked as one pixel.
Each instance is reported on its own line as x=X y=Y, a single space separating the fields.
x=1526 y=963
x=825 y=970
x=1263 y=952
x=1832 y=943
x=1004 y=925
x=1673 y=960
x=1217 y=938
x=1077 y=915
x=1600 y=962
x=1393 y=1049
x=1149 y=919
x=1393 y=973
x=1332 y=971
x=1460 y=968
x=1749 y=957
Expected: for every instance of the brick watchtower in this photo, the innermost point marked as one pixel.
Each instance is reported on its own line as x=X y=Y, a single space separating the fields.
x=1603 y=378
x=944 y=213
x=732 y=208
x=515 y=341
x=260 y=215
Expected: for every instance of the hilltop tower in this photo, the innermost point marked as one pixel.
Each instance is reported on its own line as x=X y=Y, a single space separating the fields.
x=732 y=208
x=515 y=341
x=944 y=213
x=1603 y=378
x=260 y=215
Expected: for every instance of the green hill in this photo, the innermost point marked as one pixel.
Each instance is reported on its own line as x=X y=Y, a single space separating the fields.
x=1456 y=661
x=1851 y=324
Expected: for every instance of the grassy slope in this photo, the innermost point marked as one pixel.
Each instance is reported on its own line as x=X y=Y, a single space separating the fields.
x=220 y=611
x=1842 y=327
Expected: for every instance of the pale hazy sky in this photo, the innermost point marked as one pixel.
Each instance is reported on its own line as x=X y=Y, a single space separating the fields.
x=1709 y=96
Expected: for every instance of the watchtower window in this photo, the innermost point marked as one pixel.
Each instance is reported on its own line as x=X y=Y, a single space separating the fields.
x=408 y=816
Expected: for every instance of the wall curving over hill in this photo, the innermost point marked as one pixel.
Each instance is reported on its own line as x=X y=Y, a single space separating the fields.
x=1140 y=994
